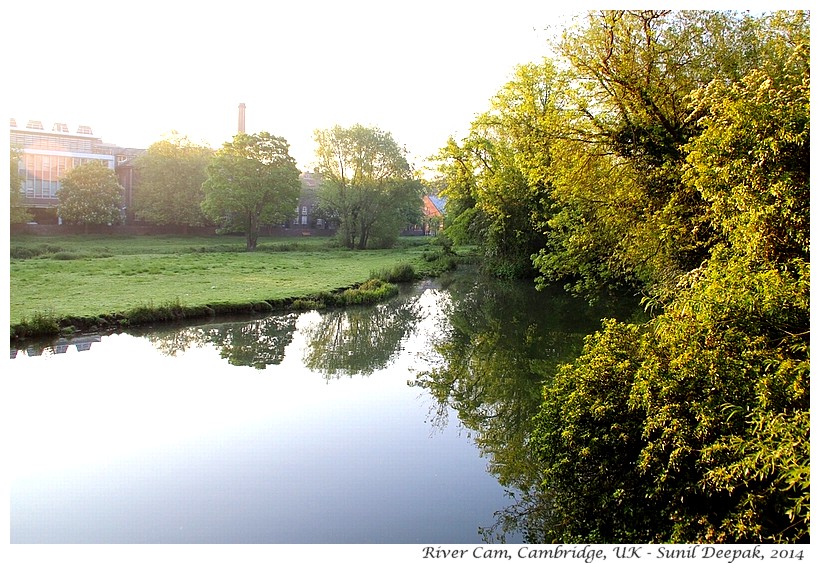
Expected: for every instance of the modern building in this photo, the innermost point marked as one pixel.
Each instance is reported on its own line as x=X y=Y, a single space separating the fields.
x=48 y=154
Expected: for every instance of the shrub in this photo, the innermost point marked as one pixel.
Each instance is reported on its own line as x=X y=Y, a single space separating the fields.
x=372 y=291
x=404 y=272
x=41 y=324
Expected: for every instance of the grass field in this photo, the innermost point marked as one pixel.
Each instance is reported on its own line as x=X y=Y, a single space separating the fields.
x=103 y=275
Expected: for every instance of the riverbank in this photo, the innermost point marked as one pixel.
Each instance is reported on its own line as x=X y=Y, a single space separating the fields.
x=98 y=283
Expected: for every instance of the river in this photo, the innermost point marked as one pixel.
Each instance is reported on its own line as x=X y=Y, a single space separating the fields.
x=403 y=422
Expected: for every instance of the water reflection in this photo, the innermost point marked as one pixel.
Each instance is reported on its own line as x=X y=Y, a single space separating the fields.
x=359 y=340
x=56 y=346
x=258 y=343
x=501 y=342
x=487 y=348
x=356 y=340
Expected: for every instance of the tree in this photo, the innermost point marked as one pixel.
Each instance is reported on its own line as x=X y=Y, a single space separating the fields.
x=170 y=178
x=751 y=161
x=90 y=194
x=367 y=185
x=17 y=209
x=706 y=406
x=623 y=214
x=252 y=180
x=496 y=181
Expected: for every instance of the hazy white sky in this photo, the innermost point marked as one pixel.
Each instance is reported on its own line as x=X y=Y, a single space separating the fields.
x=135 y=71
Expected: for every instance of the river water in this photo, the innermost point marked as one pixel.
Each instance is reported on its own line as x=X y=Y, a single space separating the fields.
x=403 y=422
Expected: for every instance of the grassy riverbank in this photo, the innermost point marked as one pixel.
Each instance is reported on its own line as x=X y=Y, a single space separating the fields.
x=87 y=281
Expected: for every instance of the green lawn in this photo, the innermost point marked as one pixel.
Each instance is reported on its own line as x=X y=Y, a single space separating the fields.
x=98 y=275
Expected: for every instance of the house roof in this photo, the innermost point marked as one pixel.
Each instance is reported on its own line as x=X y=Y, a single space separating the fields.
x=438 y=202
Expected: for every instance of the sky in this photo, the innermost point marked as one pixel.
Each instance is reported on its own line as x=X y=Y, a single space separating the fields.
x=420 y=70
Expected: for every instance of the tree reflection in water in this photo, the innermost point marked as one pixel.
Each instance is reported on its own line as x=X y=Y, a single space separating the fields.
x=495 y=345
x=355 y=340
x=499 y=345
x=257 y=343
x=359 y=340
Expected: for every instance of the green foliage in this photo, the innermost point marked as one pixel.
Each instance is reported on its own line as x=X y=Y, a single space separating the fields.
x=404 y=272
x=590 y=437
x=494 y=178
x=751 y=162
x=251 y=180
x=367 y=186
x=170 y=178
x=41 y=323
x=697 y=422
x=692 y=427
x=372 y=291
x=90 y=194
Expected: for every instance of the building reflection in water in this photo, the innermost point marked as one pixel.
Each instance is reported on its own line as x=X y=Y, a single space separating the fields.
x=58 y=346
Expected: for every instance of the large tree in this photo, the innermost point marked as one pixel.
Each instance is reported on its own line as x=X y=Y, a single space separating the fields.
x=495 y=177
x=707 y=405
x=252 y=180
x=367 y=185
x=90 y=194
x=170 y=178
x=623 y=213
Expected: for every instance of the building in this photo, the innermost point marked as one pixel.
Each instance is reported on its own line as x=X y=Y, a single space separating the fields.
x=433 y=214
x=47 y=155
x=307 y=212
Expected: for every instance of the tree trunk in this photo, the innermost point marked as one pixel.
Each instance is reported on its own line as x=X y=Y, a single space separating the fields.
x=253 y=233
x=251 y=240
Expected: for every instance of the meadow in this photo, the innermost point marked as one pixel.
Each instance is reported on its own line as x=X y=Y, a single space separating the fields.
x=87 y=276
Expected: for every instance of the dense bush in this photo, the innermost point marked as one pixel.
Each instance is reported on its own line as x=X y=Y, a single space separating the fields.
x=694 y=427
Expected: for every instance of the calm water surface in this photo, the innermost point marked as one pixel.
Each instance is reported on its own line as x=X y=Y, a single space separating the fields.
x=399 y=423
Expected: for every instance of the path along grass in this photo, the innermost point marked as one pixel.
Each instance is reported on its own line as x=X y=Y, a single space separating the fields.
x=86 y=276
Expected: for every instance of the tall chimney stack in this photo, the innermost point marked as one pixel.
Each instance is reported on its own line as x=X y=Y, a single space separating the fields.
x=242 y=117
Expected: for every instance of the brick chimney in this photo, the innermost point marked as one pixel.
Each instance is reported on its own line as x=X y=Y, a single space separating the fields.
x=242 y=117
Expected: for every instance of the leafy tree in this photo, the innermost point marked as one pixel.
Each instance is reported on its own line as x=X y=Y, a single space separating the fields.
x=90 y=194
x=170 y=178
x=622 y=214
x=251 y=180
x=367 y=185
x=495 y=179
x=17 y=209
x=751 y=162
x=724 y=359
x=693 y=427
x=712 y=395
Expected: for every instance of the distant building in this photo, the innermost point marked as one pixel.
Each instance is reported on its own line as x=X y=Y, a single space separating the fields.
x=307 y=211
x=47 y=155
x=433 y=214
